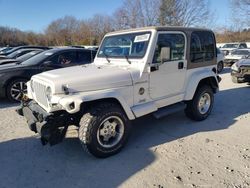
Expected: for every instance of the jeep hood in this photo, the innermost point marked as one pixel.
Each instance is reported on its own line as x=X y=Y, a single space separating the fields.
x=88 y=78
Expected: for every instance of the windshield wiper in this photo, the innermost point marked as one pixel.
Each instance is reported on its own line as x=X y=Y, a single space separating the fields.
x=126 y=56
x=107 y=57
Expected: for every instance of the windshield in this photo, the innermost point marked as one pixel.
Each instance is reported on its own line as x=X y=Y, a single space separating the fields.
x=240 y=52
x=133 y=45
x=6 y=49
x=12 y=50
x=37 y=58
x=230 y=46
x=27 y=56
x=13 y=54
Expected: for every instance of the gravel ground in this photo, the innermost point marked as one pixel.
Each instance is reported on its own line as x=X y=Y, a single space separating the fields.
x=171 y=152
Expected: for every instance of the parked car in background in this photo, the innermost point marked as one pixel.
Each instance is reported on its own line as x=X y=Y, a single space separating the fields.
x=21 y=58
x=219 y=45
x=220 y=60
x=18 y=53
x=23 y=47
x=240 y=71
x=13 y=77
x=5 y=49
x=229 y=47
x=236 y=55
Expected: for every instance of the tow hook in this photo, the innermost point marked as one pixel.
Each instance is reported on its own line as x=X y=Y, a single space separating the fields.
x=53 y=136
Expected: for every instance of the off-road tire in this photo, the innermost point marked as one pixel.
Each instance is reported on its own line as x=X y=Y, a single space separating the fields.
x=220 y=67
x=9 y=86
x=90 y=123
x=192 y=109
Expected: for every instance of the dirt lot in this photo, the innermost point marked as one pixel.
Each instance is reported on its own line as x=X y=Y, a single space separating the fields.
x=171 y=152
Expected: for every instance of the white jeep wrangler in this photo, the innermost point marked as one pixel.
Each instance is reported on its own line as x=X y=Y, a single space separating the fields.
x=157 y=70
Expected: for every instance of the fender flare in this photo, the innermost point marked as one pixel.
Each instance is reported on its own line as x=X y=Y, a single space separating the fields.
x=80 y=98
x=207 y=76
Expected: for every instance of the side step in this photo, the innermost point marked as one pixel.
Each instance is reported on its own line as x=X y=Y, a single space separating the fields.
x=169 y=110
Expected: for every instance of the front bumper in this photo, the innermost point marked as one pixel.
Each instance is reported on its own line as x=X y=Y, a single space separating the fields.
x=243 y=75
x=230 y=62
x=52 y=127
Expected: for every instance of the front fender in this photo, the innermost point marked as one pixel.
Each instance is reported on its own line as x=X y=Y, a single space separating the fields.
x=195 y=79
x=78 y=99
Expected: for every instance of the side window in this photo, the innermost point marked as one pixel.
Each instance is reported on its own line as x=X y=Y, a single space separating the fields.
x=84 y=57
x=202 y=46
x=64 y=58
x=176 y=43
x=243 y=45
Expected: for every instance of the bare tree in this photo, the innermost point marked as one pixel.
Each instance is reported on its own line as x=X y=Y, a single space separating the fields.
x=240 y=13
x=185 y=12
x=62 y=31
x=137 y=13
x=121 y=19
x=150 y=12
x=98 y=26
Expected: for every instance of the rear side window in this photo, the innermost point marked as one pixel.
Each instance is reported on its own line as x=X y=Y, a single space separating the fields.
x=242 y=45
x=64 y=58
x=202 y=46
x=86 y=56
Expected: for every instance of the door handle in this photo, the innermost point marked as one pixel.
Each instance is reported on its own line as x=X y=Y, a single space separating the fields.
x=180 y=65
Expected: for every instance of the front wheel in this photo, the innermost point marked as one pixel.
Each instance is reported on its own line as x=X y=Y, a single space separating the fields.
x=104 y=130
x=201 y=105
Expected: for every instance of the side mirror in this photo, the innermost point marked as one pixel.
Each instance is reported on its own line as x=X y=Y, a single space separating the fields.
x=165 y=54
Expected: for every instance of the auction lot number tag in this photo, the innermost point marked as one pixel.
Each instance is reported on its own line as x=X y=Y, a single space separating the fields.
x=142 y=38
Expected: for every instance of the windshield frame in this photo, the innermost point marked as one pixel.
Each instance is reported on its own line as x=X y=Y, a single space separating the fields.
x=124 y=56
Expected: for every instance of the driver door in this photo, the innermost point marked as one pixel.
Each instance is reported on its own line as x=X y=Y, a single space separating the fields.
x=167 y=77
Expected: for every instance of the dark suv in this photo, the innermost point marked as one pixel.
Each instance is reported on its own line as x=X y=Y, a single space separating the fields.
x=13 y=77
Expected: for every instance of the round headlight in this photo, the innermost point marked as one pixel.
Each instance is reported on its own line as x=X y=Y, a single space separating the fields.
x=48 y=93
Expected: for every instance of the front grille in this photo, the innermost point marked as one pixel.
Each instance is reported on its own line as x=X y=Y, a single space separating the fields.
x=40 y=93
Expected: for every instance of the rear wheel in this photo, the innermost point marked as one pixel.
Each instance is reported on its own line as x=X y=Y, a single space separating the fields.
x=104 y=130
x=201 y=105
x=16 y=89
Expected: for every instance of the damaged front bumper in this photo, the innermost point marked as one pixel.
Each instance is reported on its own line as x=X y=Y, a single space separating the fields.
x=243 y=75
x=52 y=127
